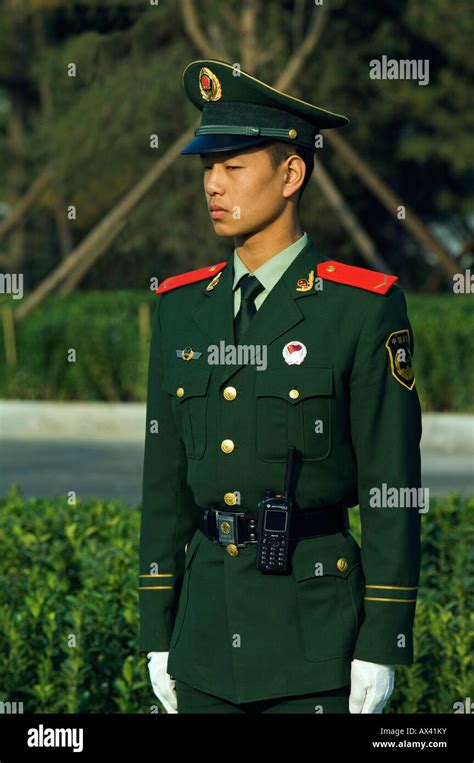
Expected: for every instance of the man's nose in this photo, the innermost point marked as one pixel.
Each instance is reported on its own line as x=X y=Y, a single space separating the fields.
x=214 y=180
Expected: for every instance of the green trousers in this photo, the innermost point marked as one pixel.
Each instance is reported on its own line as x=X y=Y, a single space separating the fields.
x=192 y=700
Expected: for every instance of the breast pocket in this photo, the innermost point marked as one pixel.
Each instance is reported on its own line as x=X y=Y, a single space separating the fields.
x=294 y=408
x=188 y=388
x=330 y=585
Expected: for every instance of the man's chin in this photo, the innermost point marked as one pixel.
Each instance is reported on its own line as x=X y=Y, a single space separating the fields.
x=223 y=228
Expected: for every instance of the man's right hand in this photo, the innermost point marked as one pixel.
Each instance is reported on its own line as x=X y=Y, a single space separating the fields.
x=163 y=684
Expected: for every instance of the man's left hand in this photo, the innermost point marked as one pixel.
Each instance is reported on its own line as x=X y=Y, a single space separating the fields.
x=371 y=686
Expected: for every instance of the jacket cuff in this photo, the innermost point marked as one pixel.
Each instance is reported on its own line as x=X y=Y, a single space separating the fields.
x=156 y=619
x=386 y=634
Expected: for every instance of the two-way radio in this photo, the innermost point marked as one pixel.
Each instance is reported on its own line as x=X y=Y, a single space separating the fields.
x=273 y=525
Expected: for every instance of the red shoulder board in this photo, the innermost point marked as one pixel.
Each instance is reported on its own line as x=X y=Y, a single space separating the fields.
x=371 y=280
x=190 y=277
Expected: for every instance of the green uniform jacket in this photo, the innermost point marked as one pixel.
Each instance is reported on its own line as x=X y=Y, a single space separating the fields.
x=231 y=630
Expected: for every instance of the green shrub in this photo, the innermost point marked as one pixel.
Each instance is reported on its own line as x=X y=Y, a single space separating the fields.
x=103 y=330
x=69 y=575
x=444 y=350
x=69 y=611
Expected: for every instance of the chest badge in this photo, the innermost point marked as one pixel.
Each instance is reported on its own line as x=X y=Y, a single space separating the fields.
x=188 y=354
x=294 y=352
x=305 y=284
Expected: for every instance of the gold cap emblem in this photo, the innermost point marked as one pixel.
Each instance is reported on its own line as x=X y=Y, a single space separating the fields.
x=209 y=85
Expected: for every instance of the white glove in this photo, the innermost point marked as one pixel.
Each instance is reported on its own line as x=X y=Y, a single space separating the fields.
x=371 y=686
x=163 y=684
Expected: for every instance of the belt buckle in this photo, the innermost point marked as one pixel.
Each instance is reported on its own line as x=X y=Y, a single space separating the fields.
x=226 y=524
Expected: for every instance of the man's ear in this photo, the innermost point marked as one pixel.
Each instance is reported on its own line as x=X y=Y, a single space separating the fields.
x=295 y=173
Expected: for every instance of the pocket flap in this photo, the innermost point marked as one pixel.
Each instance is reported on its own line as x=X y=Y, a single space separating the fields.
x=184 y=382
x=285 y=383
x=335 y=554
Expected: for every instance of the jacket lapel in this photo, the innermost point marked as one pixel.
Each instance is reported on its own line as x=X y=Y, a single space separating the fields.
x=278 y=314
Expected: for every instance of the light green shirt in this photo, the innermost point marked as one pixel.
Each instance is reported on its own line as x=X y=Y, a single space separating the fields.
x=269 y=273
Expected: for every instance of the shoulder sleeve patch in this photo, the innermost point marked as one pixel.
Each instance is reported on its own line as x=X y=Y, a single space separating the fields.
x=350 y=275
x=192 y=276
x=398 y=346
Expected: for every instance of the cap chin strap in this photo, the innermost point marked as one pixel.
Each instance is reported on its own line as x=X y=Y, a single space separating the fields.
x=270 y=132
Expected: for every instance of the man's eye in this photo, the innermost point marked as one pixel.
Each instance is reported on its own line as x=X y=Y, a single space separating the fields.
x=228 y=167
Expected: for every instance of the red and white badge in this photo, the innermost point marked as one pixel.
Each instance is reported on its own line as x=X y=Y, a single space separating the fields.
x=294 y=352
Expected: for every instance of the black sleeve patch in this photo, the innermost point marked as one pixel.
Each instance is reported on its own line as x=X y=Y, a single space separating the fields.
x=398 y=346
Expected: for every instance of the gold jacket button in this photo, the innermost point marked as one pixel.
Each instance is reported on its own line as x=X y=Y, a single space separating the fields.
x=230 y=393
x=341 y=564
x=293 y=393
x=227 y=446
x=230 y=499
x=232 y=549
x=186 y=548
x=180 y=392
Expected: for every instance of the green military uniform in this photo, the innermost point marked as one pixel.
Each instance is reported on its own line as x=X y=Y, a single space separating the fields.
x=218 y=435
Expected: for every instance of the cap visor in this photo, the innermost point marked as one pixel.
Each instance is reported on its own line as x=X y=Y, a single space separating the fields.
x=209 y=144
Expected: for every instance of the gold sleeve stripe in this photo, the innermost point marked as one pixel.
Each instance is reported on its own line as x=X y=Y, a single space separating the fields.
x=370 y=598
x=154 y=587
x=395 y=587
x=161 y=575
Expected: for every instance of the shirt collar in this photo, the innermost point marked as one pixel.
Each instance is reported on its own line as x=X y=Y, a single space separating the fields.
x=271 y=271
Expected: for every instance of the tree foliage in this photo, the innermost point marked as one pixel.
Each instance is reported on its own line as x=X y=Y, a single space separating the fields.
x=85 y=86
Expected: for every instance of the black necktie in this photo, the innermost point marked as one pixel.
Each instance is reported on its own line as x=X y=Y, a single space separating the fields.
x=250 y=286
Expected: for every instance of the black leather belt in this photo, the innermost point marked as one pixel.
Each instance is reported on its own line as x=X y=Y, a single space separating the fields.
x=305 y=523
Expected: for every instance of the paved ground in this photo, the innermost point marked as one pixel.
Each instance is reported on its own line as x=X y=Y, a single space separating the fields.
x=114 y=470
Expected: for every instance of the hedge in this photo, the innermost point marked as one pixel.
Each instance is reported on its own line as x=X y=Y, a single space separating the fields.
x=69 y=611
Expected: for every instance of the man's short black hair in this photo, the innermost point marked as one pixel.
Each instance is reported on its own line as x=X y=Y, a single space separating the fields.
x=279 y=150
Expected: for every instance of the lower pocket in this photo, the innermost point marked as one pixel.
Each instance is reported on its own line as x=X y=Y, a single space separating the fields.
x=184 y=596
x=329 y=586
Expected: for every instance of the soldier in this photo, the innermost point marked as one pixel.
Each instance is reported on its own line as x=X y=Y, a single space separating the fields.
x=276 y=346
